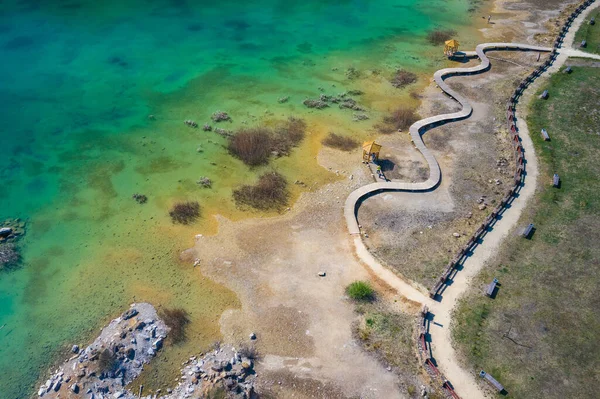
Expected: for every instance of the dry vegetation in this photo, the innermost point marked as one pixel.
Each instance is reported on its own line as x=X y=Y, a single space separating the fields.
x=185 y=212
x=340 y=142
x=269 y=193
x=107 y=361
x=399 y=119
x=176 y=319
x=439 y=36
x=403 y=78
x=254 y=146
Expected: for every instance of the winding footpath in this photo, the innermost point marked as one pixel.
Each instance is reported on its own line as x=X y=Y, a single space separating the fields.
x=463 y=381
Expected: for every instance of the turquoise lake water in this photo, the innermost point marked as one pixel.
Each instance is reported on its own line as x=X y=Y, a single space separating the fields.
x=78 y=80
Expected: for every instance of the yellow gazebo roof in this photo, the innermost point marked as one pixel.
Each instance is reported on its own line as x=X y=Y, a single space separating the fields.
x=371 y=147
x=451 y=43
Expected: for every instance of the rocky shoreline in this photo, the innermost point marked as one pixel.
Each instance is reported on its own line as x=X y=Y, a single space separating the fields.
x=104 y=368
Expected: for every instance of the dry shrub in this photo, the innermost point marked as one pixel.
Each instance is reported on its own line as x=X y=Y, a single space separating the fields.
x=185 y=212
x=269 y=193
x=107 y=361
x=403 y=78
x=248 y=351
x=340 y=142
x=176 y=319
x=288 y=135
x=252 y=146
x=400 y=118
x=439 y=36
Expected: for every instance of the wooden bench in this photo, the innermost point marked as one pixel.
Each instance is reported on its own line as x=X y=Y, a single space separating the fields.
x=593 y=21
x=568 y=69
x=583 y=44
x=544 y=95
x=545 y=135
x=555 y=180
x=491 y=380
x=527 y=231
x=489 y=289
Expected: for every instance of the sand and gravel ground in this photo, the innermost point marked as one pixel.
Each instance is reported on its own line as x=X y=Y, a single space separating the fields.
x=302 y=321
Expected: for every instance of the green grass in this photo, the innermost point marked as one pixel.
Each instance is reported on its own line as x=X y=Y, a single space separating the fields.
x=539 y=336
x=590 y=33
x=360 y=291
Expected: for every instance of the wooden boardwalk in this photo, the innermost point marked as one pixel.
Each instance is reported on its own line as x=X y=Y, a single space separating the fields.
x=418 y=128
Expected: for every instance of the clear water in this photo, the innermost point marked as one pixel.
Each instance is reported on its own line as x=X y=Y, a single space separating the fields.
x=78 y=80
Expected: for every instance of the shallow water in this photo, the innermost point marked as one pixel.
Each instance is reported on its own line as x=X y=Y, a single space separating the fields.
x=78 y=81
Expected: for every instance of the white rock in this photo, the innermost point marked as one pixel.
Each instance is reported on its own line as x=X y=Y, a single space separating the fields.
x=252 y=336
x=456 y=235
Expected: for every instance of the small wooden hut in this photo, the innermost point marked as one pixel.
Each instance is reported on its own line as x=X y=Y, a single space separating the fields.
x=370 y=151
x=450 y=47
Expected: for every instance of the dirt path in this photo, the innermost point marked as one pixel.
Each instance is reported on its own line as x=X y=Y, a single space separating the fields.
x=465 y=381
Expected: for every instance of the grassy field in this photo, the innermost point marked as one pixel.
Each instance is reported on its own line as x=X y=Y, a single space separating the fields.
x=590 y=33
x=539 y=336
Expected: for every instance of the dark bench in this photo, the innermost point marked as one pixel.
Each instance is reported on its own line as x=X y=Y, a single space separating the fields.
x=544 y=95
x=593 y=21
x=568 y=70
x=545 y=135
x=489 y=289
x=555 y=180
x=527 y=230
x=491 y=380
x=583 y=44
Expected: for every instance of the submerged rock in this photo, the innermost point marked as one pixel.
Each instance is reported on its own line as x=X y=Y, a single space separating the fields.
x=5 y=231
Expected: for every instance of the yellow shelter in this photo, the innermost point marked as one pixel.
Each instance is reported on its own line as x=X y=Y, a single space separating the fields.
x=450 y=47
x=371 y=151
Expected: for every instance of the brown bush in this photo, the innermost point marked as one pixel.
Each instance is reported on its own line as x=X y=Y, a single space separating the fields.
x=176 y=319
x=252 y=146
x=401 y=118
x=403 y=78
x=185 y=212
x=107 y=361
x=340 y=142
x=287 y=136
x=269 y=193
x=248 y=351
x=439 y=36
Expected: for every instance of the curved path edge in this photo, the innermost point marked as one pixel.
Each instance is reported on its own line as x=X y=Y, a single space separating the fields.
x=418 y=128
